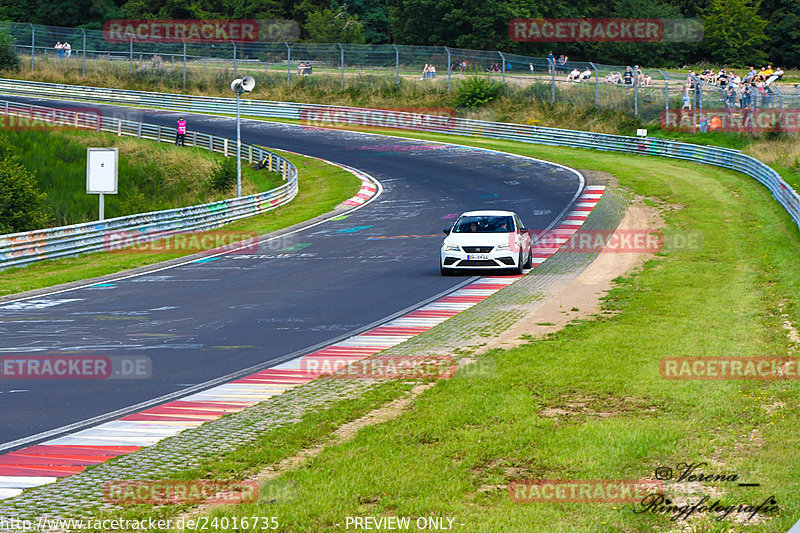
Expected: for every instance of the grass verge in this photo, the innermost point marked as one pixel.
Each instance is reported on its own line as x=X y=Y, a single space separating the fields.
x=588 y=403
x=322 y=188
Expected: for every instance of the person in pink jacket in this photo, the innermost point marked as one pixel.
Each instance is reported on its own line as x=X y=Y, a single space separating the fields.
x=181 y=132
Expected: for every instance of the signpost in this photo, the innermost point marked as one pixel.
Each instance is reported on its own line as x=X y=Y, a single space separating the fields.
x=101 y=173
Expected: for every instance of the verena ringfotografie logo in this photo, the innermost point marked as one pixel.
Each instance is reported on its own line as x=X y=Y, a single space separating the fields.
x=179 y=31
x=739 y=368
x=75 y=367
x=731 y=120
x=176 y=492
x=20 y=117
x=382 y=367
x=123 y=242
x=409 y=118
x=583 y=490
x=649 y=30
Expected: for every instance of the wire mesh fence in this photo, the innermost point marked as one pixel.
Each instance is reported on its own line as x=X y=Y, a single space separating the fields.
x=650 y=94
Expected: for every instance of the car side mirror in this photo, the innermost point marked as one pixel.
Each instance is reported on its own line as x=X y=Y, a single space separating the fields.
x=446 y=231
x=523 y=230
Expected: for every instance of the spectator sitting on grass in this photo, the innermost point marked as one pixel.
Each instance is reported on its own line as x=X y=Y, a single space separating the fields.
x=628 y=77
x=647 y=79
x=777 y=75
x=574 y=75
x=687 y=100
x=761 y=75
x=722 y=78
x=586 y=74
x=613 y=77
x=750 y=75
x=734 y=80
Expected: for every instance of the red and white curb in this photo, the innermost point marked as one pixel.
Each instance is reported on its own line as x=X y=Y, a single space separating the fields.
x=45 y=463
x=368 y=190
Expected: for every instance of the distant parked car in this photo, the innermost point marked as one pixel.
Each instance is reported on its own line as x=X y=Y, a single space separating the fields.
x=486 y=240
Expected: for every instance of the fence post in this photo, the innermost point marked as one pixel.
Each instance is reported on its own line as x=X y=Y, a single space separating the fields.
x=288 y=62
x=666 y=89
x=341 y=48
x=504 y=70
x=553 y=84
x=119 y=127
x=449 y=68
x=131 y=56
x=33 y=44
x=139 y=131
x=234 y=59
x=83 y=73
x=698 y=101
x=596 y=85
x=396 y=66
x=184 y=64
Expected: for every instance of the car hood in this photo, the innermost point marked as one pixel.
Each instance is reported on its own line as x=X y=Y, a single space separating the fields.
x=479 y=239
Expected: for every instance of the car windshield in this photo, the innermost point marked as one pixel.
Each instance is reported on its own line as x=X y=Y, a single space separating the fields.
x=484 y=224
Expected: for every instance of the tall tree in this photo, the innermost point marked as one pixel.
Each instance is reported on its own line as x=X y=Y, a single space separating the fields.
x=734 y=33
x=783 y=32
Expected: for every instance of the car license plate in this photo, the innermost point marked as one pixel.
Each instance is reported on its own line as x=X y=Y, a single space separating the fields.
x=477 y=256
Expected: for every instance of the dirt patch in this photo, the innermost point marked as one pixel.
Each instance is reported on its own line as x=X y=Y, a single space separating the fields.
x=581 y=298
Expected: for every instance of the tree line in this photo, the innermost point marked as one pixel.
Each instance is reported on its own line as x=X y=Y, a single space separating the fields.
x=736 y=32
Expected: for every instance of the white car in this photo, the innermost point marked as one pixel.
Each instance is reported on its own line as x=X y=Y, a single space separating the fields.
x=486 y=240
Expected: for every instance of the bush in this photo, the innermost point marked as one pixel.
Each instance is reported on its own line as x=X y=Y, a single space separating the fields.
x=22 y=205
x=542 y=92
x=477 y=91
x=224 y=176
x=8 y=54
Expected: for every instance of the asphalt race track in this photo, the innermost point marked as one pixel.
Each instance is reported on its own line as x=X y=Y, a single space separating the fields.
x=204 y=320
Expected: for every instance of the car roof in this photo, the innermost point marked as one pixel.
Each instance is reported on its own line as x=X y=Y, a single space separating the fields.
x=488 y=213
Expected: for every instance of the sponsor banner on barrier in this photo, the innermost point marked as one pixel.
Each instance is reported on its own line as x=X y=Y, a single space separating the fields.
x=125 y=242
x=178 y=492
x=409 y=118
x=738 y=368
x=636 y=30
x=57 y=366
x=382 y=367
x=583 y=490
x=731 y=120
x=180 y=30
x=20 y=117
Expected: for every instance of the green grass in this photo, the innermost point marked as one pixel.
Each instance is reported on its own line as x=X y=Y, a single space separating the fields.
x=456 y=450
x=152 y=176
x=322 y=188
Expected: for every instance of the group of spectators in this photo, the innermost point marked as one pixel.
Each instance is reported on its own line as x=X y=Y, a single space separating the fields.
x=304 y=69
x=63 y=50
x=741 y=92
x=630 y=77
x=429 y=72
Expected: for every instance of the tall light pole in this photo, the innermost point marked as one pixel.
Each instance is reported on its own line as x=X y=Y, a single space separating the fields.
x=239 y=86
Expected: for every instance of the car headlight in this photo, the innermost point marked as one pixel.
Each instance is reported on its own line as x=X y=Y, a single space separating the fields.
x=451 y=248
x=502 y=247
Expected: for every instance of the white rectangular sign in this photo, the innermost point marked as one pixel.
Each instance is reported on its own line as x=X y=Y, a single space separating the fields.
x=101 y=170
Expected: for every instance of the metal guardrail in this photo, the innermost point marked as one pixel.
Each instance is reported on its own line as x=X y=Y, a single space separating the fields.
x=19 y=249
x=315 y=115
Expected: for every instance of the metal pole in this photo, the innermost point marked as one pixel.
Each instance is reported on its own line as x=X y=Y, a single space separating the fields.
x=234 y=58
x=238 y=151
x=288 y=62
x=102 y=207
x=666 y=89
x=596 y=85
x=449 y=68
x=341 y=48
x=131 y=56
x=504 y=70
x=635 y=94
x=184 y=64
x=33 y=44
x=396 y=66
x=553 y=84
x=83 y=73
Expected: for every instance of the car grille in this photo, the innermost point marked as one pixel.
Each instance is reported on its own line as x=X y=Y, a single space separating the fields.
x=507 y=260
x=478 y=263
x=449 y=260
x=477 y=249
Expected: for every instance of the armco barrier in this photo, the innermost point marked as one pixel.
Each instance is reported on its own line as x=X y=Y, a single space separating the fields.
x=18 y=249
x=338 y=116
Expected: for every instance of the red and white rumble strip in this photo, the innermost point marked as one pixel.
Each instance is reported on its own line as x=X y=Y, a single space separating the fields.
x=71 y=454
